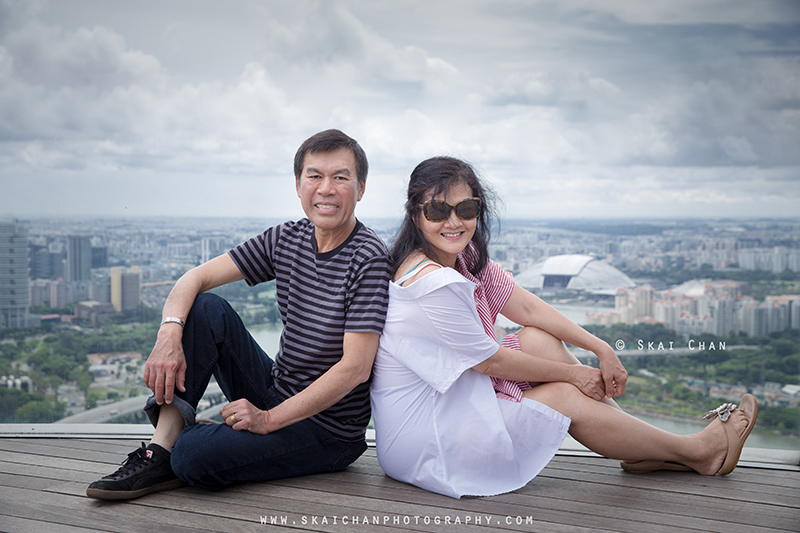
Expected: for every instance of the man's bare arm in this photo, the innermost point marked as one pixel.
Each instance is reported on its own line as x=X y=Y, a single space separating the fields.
x=166 y=366
x=353 y=369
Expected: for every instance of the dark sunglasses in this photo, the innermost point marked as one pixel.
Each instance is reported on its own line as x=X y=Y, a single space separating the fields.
x=438 y=210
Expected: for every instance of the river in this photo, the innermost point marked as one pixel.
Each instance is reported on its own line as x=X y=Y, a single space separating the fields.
x=268 y=337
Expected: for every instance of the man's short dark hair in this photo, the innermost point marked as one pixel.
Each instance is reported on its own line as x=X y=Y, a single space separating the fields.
x=327 y=141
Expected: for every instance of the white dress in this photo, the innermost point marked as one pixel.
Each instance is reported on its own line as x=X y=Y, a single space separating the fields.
x=439 y=424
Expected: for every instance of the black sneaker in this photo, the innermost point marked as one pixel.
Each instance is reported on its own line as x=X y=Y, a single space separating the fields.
x=145 y=470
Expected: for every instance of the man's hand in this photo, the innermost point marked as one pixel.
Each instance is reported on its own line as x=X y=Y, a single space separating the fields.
x=242 y=415
x=614 y=374
x=166 y=367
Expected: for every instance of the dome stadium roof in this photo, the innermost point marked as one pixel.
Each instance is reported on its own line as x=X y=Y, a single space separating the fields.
x=574 y=272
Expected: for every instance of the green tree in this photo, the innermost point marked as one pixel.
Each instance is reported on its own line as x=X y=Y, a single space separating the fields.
x=82 y=376
x=40 y=411
x=784 y=346
x=10 y=401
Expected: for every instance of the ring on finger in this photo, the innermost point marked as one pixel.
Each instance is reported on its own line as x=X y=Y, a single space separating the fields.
x=233 y=419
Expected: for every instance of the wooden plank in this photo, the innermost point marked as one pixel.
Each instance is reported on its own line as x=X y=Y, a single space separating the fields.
x=591 y=493
x=115 y=517
x=414 y=500
x=13 y=524
x=57 y=462
x=53 y=474
x=659 y=488
x=214 y=500
x=55 y=509
x=571 y=511
x=689 y=483
x=112 y=454
x=264 y=499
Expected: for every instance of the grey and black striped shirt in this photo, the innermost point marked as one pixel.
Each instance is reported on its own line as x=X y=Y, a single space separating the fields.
x=320 y=297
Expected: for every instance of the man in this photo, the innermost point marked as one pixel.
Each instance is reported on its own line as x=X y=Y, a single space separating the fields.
x=307 y=410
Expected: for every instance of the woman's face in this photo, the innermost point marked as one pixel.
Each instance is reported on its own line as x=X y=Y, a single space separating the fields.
x=453 y=234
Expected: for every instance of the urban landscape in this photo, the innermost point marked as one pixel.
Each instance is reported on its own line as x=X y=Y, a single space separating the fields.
x=700 y=288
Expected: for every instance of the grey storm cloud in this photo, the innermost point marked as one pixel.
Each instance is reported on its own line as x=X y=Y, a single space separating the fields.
x=584 y=108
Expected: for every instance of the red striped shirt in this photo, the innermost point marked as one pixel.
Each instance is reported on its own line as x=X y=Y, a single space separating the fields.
x=493 y=289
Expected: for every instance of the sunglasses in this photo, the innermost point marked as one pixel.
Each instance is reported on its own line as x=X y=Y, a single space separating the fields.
x=439 y=210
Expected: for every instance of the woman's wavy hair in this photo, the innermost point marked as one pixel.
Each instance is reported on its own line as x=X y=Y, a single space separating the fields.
x=433 y=177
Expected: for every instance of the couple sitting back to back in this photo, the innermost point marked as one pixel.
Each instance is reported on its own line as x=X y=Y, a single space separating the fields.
x=443 y=392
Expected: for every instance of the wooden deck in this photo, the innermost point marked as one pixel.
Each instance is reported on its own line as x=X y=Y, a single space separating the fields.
x=43 y=483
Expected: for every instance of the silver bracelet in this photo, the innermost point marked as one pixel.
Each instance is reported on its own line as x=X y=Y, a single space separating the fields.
x=172 y=319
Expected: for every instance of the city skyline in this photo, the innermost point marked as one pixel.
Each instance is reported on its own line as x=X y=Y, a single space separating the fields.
x=573 y=110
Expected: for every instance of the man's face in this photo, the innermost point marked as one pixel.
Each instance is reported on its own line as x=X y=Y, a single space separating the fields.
x=328 y=189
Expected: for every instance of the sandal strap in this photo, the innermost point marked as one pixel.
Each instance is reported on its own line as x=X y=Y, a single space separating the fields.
x=723 y=412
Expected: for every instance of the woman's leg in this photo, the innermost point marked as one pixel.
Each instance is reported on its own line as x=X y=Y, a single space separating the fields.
x=540 y=343
x=613 y=433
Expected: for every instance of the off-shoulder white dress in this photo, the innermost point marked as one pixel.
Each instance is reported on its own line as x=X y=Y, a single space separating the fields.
x=439 y=424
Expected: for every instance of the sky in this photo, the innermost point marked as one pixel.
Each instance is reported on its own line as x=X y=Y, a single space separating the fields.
x=568 y=109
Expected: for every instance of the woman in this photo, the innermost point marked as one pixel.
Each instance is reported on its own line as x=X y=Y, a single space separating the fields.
x=459 y=415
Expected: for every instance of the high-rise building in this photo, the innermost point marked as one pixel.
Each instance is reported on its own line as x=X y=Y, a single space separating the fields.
x=79 y=259
x=125 y=288
x=211 y=247
x=642 y=301
x=40 y=292
x=14 y=275
x=791 y=313
x=100 y=291
x=40 y=266
x=753 y=317
x=724 y=319
x=57 y=262
x=59 y=296
x=99 y=256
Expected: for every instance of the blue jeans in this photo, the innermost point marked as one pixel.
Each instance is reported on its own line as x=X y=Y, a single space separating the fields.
x=215 y=341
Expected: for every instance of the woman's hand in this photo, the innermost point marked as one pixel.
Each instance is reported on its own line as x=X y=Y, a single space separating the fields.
x=615 y=376
x=588 y=380
x=243 y=415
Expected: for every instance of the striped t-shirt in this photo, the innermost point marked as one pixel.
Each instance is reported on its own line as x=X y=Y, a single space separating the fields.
x=320 y=297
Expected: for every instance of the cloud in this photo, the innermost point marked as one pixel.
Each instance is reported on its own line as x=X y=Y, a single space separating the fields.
x=690 y=12
x=564 y=103
x=91 y=58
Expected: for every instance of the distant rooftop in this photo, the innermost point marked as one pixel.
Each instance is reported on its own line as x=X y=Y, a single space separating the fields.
x=574 y=272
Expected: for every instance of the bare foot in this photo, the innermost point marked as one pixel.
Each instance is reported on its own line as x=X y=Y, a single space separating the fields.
x=714 y=442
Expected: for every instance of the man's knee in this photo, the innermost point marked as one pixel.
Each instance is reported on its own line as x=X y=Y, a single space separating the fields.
x=206 y=303
x=210 y=310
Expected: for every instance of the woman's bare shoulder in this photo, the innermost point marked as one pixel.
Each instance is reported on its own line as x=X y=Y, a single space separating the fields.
x=425 y=264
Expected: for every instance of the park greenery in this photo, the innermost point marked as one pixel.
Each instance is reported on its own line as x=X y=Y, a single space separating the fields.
x=52 y=356
x=680 y=384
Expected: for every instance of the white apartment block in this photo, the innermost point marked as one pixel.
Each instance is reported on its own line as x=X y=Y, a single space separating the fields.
x=703 y=306
x=774 y=260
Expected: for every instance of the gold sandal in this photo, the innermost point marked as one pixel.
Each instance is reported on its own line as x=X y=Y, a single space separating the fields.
x=749 y=407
